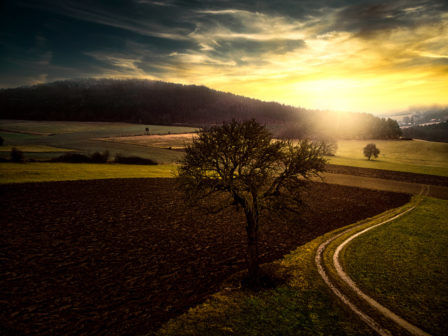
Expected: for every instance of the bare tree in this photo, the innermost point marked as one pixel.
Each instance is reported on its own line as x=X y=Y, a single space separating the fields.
x=371 y=150
x=242 y=164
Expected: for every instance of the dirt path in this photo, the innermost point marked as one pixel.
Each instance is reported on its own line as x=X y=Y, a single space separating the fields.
x=355 y=291
x=384 y=185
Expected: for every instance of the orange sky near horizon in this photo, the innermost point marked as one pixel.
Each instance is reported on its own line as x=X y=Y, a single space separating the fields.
x=348 y=55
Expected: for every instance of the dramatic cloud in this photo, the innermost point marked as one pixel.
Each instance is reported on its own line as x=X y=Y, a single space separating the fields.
x=351 y=55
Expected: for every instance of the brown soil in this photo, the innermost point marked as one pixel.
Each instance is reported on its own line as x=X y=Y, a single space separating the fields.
x=389 y=175
x=120 y=257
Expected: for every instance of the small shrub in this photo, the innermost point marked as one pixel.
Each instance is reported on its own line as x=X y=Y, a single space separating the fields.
x=98 y=157
x=16 y=155
x=133 y=160
x=1 y=141
x=72 y=158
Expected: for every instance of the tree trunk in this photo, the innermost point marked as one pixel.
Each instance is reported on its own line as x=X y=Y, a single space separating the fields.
x=252 y=247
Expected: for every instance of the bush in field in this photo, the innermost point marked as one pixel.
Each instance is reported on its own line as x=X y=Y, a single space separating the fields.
x=240 y=162
x=1 y=141
x=98 y=157
x=371 y=150
x=133 y=160
x=16 y=155
x=72 y=158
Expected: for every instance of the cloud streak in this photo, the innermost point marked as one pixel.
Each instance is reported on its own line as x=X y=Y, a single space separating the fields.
x=353 y=55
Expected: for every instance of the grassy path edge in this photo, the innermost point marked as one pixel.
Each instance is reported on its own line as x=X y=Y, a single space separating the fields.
x=331 y=271
x=221 y=308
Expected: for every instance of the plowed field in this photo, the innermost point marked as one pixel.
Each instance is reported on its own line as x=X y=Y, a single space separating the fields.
x=120 y=257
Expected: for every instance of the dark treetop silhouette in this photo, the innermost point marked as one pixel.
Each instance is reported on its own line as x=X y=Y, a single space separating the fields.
x=242 y=164
x=371 y=150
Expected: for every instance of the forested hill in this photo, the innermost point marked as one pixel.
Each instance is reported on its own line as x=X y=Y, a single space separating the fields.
x=138 y=101
x=154 y=102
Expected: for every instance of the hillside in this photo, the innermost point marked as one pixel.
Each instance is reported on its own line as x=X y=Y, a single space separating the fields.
x=436 y=132
x=154 y=102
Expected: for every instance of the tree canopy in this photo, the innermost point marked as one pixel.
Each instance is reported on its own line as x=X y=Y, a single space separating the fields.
x=371 y=150
x=242 y=163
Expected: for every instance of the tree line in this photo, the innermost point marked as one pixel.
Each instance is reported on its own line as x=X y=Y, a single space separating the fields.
x=155 y=102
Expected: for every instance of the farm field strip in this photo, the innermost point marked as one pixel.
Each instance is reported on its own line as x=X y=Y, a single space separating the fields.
x=416 y=156
x=79 y=136
x=383 y=184
x=41 y=172
x=411 y=278
x=343 y=277
x=174 y=141
x=55 y=171
x=35 y=149
x=66 y=127
x=127 y=264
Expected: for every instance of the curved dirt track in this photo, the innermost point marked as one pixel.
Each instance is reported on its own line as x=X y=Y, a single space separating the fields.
x=355 y=290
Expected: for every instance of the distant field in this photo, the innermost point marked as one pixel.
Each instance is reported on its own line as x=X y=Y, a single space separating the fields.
x=416 y=156
x=40 y=172
x=173 y=141
x=80 y=136
x=34 y=149
x=64 y=127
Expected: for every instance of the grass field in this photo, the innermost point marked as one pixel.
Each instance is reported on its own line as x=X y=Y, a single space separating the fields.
x=34 y=149
x=302 y=306
x=416 y=156
x=174 y=141
x=83 y=137
x=416 y=262
x=39 y=172
x=46 y=128
x=411 y=279
x=409 y=156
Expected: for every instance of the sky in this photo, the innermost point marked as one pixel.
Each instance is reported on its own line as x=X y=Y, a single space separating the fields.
x=359 y=56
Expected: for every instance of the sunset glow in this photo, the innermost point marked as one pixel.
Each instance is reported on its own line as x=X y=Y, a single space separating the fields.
x=363 y=56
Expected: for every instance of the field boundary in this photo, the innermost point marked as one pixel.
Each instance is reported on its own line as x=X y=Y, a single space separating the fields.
x=341 y=276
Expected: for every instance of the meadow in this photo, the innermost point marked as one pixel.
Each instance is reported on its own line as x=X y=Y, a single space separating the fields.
x=414 y=156
x=416 y=260
x=55 y=137
x=43 y=140
x=300 y=305
x=410 y=280
x=42 y=171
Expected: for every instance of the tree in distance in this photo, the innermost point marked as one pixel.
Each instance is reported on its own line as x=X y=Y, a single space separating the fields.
x=16 y=155
x=241 y=165
x=370 y=150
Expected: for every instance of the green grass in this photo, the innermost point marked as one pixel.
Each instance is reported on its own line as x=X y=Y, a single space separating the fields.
x=40 y=172
x=408 y=156
x=404 y=265
x=303 y=306
x=415 y=156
